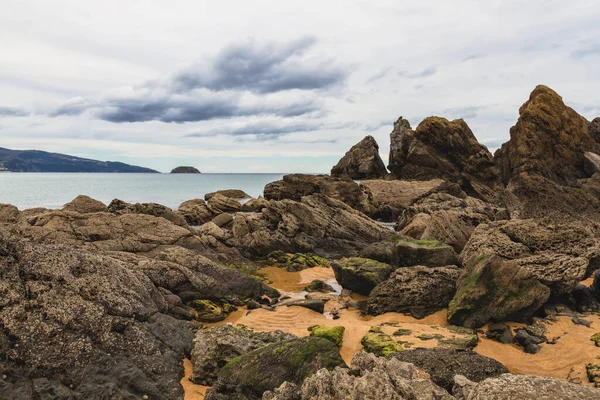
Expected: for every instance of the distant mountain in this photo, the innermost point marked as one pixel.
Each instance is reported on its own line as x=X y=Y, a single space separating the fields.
x=42 y=161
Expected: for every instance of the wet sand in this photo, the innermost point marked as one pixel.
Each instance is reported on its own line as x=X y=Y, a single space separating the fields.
x=572 y=351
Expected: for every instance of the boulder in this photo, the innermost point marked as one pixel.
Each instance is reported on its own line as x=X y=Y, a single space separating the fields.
x=443 y=149
x=525 y=387
x=418 y=290
x=429 y=253
x=215 y=347
x=362 y=161
x=230 y=193
x=591 y=163
x=296 y=186
x=185 y=170
x=317 y=305
x=317 y=224
x=8 y=213
x=268 y=367
x=218 y=204
x=254 y=205
x=491 y=288
x=332 y=333
x=195 y=211
x=222 y=219
x=444 y=364
x=300 y=261
x=361 y=275
x=379 y=343
x=380 y=251
x=120 y=207
x=85 y=204
x=318 y=285
x=500 y=332
x=207 y=311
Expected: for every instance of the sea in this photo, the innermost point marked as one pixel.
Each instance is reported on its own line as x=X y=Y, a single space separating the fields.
x=53 y=190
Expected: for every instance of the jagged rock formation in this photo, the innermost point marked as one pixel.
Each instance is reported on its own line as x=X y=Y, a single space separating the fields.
x=231 y=193
x=185 y=170
x=296 y=186
x=443 y=149
x=317 y=224
x=195 y=211
x=121 y=207
x=543 y=163
x=362 y=161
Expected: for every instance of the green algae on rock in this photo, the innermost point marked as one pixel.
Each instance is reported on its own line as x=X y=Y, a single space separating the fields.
x=332 y=333
x=380 y=343
x=207 y=311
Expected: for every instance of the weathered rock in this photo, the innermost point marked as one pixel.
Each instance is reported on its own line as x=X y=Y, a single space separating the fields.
x=500 y=332
x=447 y=218
x=429 y=253
x=254 y=205
x=593 y=373
x=559 y=256
x=591 y=163
x=544 y=160
x=85 y=204
x=220 y=204
x=418 y=290
x=584 y=300
x=222 y=219
x=230 y=193
x=529 y=342
x=443 y=149
x=379 y=343
x=300 y=261
x=444 y=364
x=207 y=311
x=185 y=170
x=212 y=229
x=296 y=186
x=93 y=326
x=318 y=285
x=332 y=333
x=361 y=275
x=381 y=251
x=362 y=161
x=266 y=368
x=317 y=305
x=317 y=224
x=120 y=207
x=195 y=211
x=215 y=347
x=8 y=213
x=524 y=387
x=491 y=288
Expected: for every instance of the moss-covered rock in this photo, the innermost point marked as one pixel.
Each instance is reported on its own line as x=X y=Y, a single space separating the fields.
x=494 y=288
x=300 y=261
x=596 y=339
x=379 y=343
x=360 y=275
x=278 y=256
x=402 y=332
x=429 y=253
x=268 y=367
x=206 y=311
x=319 y=286
x=332 y=333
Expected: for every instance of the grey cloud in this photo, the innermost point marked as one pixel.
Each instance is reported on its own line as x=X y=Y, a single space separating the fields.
x=262 y=69
x=586 y=51
x=12 y=112
x=462 y=112
x=381 y=74
x=421 y=74
x=472 y=57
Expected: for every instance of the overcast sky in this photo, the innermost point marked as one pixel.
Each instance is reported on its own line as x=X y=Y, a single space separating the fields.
x=278 y=86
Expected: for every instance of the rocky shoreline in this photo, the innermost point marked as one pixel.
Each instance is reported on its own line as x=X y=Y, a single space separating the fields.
x=105 y=301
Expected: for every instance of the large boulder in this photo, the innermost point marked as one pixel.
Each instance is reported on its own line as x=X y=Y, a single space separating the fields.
x=230 y=193
x=418 y=290
x=361 y=275
x=219 y=203
x=195 y=211
x=362 y=161
x=215 y=347
x=444 y=364
x=443 y=149
x=544 y=165
x=83 y=324
x=316 y=224
x=85 y=204
x=120 y=207
x=524 y=387
x=250 y=375
x=429 y=253
x=8 y=213
x=296 y=186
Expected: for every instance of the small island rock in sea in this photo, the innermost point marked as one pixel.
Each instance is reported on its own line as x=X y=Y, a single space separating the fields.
x=185 y=170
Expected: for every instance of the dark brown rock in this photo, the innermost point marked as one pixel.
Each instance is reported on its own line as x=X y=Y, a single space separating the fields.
x=85 y=204
x=362 y=161
x=361 y=275
x=121 y=207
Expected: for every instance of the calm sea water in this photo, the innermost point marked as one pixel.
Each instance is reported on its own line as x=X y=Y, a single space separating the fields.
x=53 y=190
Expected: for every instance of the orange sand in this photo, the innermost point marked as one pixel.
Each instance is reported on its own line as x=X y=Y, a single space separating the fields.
x=572 y=351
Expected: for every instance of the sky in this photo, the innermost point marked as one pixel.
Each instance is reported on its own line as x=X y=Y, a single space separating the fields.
x=279 y=86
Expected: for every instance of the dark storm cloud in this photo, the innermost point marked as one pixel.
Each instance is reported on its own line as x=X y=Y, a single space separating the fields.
x=262 y=69
x=421 y=74
x=12 y=112
x=192 y=110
